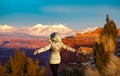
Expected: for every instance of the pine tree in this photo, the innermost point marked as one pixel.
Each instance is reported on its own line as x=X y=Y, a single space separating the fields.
x=2 y=70
x=106 y=45
x=20 y=65
x=16 y=64
x=109 y=30
x=32 y=68
x=101 y=57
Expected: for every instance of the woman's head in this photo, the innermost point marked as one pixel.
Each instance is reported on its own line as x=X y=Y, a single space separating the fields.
x=54 y=37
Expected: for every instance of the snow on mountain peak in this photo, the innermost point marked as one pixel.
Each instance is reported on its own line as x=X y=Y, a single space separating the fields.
x=54 y=26
x=39 y=26
x=59 y=25
x=59 y=28
x=88 y=30
x=91 y=29
x=43 y=30
x=6 y=27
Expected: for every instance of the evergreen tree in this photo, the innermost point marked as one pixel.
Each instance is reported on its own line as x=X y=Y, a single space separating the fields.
x=109 y=30
x=20 y=65
x=101 y=57
x=32 y=68
x=105 y=45
x=16 y=64
x=2 y=70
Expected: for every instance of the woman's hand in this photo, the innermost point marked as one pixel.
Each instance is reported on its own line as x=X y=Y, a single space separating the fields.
x=35 y=52
x=78 y=52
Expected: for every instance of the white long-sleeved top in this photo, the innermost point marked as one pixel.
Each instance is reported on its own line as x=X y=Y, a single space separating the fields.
x=55 y=48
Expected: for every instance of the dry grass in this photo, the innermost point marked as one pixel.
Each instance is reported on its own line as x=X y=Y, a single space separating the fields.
x=113 y=67
x=90 y=71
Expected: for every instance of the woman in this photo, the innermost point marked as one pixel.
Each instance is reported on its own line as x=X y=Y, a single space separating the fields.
x=55 y=45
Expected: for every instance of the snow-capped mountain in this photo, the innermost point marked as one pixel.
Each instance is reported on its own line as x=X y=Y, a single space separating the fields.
x=88 y=30
x=43 y=30
x=37 y=30
x=56 y=28
x=6 y=28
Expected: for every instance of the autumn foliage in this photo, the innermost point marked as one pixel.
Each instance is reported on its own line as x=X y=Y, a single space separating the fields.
x=20 y=65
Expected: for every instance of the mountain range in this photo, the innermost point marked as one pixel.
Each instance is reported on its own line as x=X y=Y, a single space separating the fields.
x=41 y=30
x=34 y=36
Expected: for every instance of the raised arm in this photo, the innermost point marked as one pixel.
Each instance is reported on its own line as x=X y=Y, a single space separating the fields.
x=68 y=48
x=42 y=49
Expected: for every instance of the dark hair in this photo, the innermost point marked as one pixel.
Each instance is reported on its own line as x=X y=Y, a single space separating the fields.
x=53 y=35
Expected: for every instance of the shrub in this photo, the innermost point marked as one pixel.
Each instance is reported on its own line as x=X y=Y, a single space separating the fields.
x=20 y=65
x=2 y=70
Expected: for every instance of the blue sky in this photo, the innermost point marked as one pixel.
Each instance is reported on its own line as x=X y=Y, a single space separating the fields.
x=75 y=14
